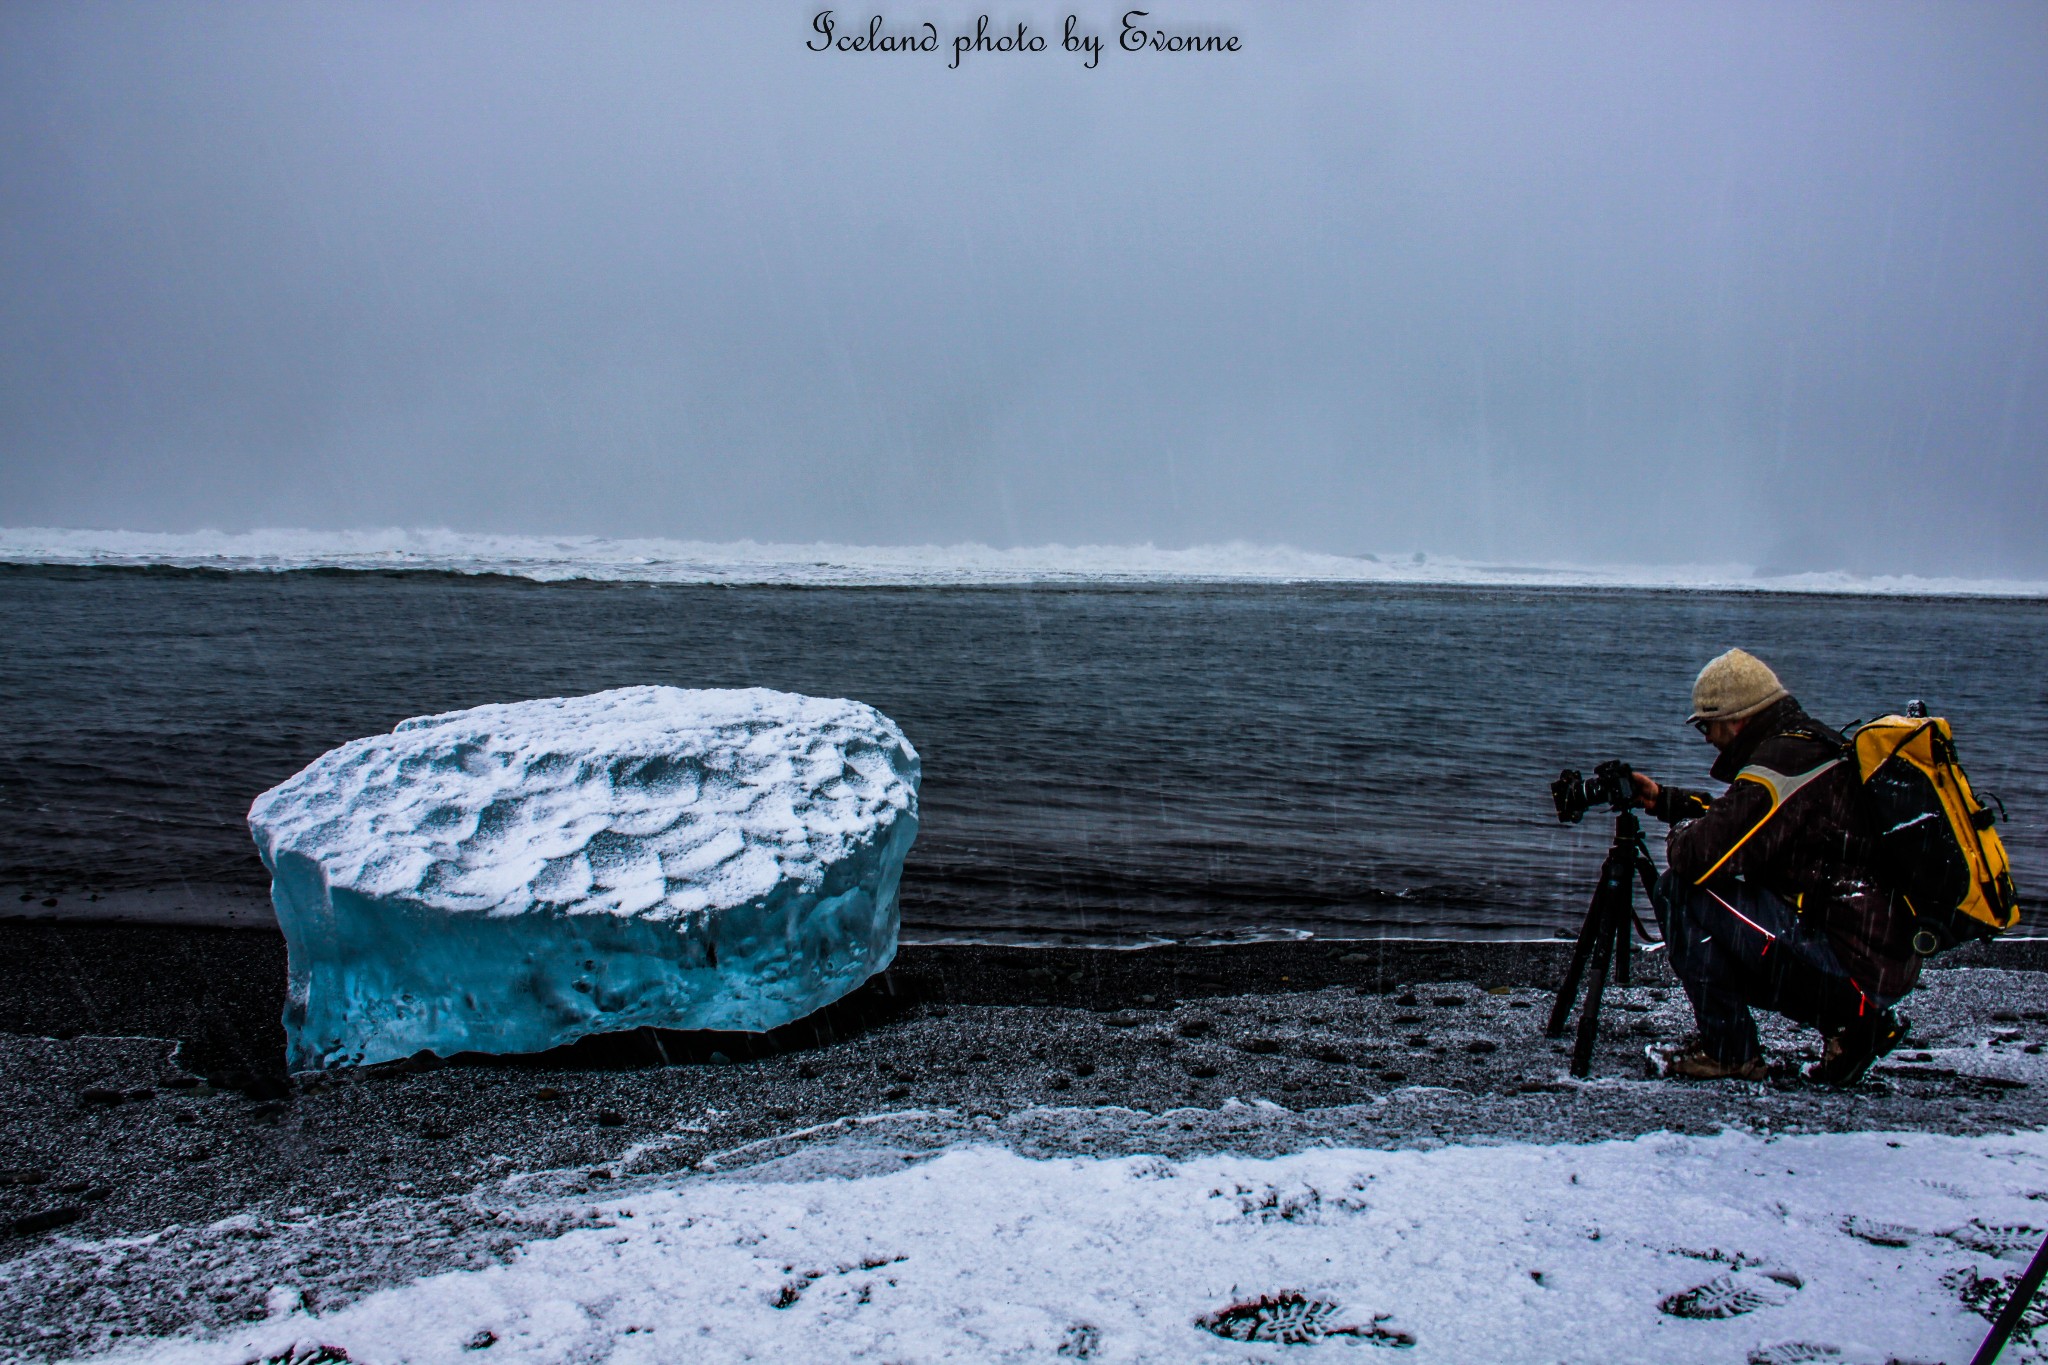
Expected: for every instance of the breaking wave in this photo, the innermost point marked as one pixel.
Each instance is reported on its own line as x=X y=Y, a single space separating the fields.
x=746 y=562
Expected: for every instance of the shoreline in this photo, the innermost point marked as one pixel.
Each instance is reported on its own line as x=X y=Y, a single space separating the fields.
x=203 y=905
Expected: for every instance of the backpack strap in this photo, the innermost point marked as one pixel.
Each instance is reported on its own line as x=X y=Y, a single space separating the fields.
x=1781 y=789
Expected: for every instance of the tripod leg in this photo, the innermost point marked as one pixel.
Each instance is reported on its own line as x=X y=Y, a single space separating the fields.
x=1568 y=990
x=1624 y=916
x=1596 y=987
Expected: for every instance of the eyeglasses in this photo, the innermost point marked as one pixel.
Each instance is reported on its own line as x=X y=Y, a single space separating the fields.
x=1700 y=723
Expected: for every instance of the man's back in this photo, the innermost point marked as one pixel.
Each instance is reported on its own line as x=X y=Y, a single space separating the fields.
x=1807 y=842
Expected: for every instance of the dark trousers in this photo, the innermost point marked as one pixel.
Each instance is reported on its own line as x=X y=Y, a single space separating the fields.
x=1735 y=946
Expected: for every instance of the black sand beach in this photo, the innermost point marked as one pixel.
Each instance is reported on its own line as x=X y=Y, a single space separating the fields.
x=143 y=1094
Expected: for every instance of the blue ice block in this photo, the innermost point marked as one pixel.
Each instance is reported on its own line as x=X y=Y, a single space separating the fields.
x=514 y=877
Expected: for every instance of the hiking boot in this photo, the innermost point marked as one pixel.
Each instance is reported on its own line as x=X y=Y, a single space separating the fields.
x=1689 y=1060
x=1848 y=1054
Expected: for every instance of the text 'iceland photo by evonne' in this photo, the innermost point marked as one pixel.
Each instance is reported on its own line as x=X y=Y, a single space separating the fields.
x=1132 y=35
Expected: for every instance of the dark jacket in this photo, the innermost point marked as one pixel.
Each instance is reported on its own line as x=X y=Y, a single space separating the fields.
x=1807 y=842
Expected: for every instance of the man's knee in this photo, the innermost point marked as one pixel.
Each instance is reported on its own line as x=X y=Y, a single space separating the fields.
x=1668 y=888
x=1725 y=932
x=1685 y=912
x=1748 y=912
x=1681 y=921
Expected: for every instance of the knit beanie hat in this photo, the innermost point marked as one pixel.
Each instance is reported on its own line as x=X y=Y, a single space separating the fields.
x=1735 y=686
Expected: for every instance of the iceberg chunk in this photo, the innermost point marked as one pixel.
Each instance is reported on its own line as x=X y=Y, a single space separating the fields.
x=513 y=877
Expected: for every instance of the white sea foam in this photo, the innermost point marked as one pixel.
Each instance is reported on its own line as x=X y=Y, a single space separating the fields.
x=746 y=562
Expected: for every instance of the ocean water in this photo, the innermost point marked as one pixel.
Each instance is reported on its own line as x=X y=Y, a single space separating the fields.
x=1106 y=764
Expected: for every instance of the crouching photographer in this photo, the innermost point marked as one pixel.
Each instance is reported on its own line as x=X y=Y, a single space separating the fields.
x=1771 y=899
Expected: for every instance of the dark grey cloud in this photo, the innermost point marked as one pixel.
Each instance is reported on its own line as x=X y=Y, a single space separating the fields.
x=1591 y=282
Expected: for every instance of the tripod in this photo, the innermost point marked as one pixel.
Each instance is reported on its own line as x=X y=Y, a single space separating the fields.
x=1604 y=937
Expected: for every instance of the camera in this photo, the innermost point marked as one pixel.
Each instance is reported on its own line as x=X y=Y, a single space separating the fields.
x=1612 y=786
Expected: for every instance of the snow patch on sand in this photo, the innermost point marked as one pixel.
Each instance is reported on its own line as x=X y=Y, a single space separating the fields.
x=557 y=558
x=1666 y=1248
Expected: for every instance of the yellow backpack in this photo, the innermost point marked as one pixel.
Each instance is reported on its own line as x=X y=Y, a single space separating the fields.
x=1934 y=837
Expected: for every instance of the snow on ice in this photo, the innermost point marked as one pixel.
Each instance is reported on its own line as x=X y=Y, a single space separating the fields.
x=513 y=877
x=1863 y=1247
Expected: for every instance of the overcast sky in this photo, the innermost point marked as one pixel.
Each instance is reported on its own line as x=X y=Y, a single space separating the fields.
x=1582 y=282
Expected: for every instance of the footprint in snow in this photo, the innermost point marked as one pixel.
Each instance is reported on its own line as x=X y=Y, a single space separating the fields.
x=1081 y=1341
x=1948 y=1189
x=1818 y=1353
x=1730 y=1296
x=1794 y=1353
x=307 y=1352
x=1878 y=1234
x=1292 y=1318
x=1997 y=1239
x=1986 y=1296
